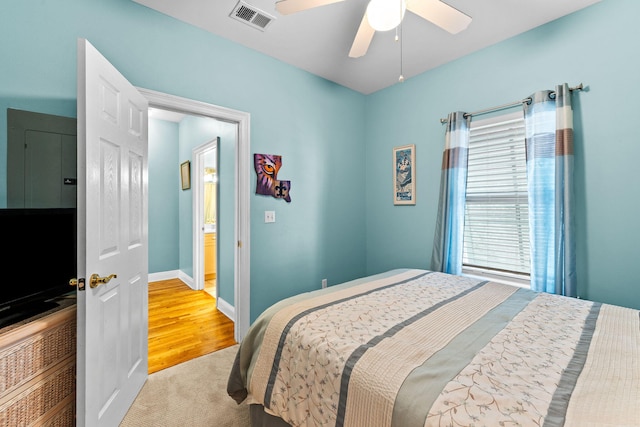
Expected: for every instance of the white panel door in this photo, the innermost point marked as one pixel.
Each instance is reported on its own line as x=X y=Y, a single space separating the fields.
x=112 y=240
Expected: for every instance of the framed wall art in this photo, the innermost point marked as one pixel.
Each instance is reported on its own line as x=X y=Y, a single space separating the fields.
x=404 y=175
x=268 y=184
x=185 y=175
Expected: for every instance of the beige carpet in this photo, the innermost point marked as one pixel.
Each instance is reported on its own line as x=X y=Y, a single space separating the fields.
x=191 y=394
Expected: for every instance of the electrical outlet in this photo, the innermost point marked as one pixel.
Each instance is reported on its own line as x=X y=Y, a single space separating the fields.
x=269 y=216
x=324 y=283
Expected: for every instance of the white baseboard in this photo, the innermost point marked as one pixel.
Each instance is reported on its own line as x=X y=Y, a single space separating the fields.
x=173 y=274
x=226 y=309
x=186 y=279
x=163 y=275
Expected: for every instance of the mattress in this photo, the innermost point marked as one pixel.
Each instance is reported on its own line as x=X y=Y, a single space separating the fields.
x=419 y=348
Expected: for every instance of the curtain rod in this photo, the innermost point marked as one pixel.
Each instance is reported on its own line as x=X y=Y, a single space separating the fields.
x=505 y=106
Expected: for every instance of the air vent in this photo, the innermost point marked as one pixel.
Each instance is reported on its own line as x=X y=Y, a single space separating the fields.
x=251 y=16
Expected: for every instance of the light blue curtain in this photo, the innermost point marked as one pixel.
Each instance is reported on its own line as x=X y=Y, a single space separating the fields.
x=549 y=141
x=448 y=239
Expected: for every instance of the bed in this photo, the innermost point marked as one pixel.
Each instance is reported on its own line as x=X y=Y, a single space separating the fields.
x=414 y=347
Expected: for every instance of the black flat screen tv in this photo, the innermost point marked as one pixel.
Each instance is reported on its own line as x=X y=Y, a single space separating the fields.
x=38 y=261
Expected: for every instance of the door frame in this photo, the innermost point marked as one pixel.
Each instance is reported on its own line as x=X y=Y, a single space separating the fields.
x=197 y=184
x=242 y=189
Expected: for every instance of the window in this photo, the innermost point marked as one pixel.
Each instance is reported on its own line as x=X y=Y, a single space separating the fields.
x=496 y=229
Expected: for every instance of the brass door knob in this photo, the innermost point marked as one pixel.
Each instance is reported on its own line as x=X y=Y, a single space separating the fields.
x=96 y=280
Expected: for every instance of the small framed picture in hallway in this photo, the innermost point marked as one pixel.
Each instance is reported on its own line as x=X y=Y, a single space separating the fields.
x=185 y=175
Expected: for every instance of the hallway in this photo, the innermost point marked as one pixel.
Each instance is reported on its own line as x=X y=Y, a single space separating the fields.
x=184 y=324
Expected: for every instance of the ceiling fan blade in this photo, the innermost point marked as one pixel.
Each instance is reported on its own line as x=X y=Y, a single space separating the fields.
x=441 y=14
x=363 y=39
x=287 y=7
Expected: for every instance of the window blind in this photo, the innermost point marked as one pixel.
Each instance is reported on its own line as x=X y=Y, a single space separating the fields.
x=496 y=230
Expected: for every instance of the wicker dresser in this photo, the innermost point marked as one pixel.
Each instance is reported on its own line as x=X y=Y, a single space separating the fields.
x=38 y=370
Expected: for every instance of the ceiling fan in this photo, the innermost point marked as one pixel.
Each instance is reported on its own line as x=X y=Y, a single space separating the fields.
x=384 y=15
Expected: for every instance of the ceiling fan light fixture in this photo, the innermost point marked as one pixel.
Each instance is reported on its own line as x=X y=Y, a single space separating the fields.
x=385 y=15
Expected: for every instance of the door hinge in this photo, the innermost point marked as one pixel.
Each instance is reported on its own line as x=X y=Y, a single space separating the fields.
x=239 y=243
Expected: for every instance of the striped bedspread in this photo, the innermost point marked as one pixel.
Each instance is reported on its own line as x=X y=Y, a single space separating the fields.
x=414 y=348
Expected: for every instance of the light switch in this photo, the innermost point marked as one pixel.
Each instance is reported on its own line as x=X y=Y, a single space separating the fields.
x=269 y=216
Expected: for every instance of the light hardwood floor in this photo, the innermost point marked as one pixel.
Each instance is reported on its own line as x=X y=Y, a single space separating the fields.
x=184 y=324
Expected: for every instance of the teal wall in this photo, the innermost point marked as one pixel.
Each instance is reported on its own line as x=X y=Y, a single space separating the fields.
x=163 y=196
x=597 y=46
x=225 y=212
x=317 y=126
x=336 y=143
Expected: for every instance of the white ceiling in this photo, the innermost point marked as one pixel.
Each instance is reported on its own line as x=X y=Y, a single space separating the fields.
x=318 y=40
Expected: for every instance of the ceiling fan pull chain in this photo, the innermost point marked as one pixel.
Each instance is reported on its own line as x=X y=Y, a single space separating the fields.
x=401 y=78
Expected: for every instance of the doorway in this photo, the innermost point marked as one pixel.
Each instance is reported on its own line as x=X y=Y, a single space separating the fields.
x=239 y=313
x=184 y=321
x=206 y=205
